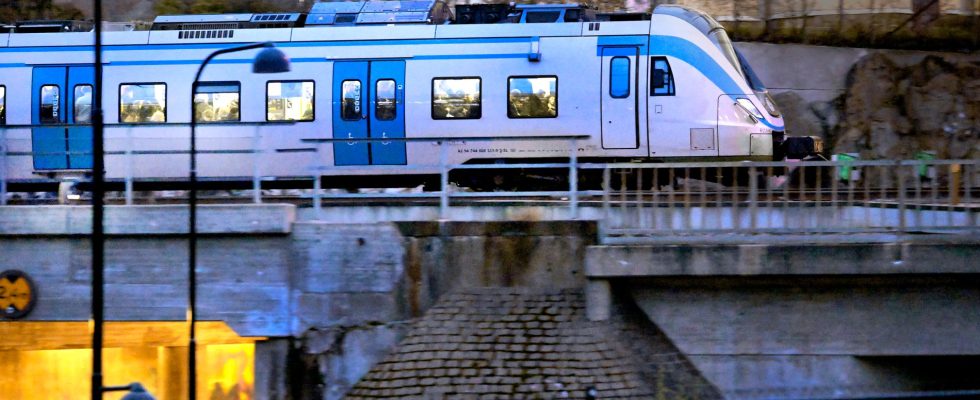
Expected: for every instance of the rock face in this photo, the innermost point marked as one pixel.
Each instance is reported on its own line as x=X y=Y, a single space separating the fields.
x=890 y=111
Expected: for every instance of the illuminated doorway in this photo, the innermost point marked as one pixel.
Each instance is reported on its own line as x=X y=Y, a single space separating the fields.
x=52 y=360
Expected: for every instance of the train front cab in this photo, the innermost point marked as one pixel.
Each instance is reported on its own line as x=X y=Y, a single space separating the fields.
x=705 y=101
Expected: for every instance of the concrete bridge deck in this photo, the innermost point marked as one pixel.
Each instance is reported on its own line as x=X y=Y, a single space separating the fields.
x=757 y=315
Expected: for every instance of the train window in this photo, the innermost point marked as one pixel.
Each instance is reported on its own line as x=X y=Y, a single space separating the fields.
x=50 y=104
x=532 y=97
x=350 y=109
x=3 y=105
x=537 y=17
x=384 y=101
x=661 y=78
x=142 y=102
x=456 y=98
x=619 y=77
x=289 y=101
x=217 y=102
x=83 y=104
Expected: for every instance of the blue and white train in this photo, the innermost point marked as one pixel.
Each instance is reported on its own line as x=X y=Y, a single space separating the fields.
x=668 y=86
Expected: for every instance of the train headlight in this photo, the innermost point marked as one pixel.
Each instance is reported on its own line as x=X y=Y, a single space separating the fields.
x=770 y=105
x=750 y=108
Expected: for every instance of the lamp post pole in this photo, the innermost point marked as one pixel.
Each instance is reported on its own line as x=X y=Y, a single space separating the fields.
x=98 y=203
x=269 y=60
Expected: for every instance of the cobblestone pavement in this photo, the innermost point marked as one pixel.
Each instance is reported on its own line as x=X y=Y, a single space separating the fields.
x=501 y=343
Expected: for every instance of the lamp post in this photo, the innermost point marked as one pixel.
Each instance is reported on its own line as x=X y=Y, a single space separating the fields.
x=98 y=202
x=136 y=391
x=269 y=60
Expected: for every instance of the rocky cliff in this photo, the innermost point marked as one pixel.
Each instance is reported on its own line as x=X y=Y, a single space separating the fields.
x=888 y=109
x=891 y=111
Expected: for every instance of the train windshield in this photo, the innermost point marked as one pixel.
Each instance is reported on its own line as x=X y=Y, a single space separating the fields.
x=708 y=26
x=721 y=40
x=754 y=82
x=757 y=86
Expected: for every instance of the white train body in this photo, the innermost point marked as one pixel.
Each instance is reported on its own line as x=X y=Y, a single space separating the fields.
x=696 y=117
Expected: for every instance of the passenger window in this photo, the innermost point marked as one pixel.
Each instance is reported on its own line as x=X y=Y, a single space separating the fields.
x=142 y=102
x=83 y=104
x=532 y=97
x=573 y=16
x=385 y=102
x=537 y=17
x=3 y=105
x=456 y=98
x=619 y=77
x=350 y=109
x=661 y=79
x=289 y=101
x=217 y=102
x=50 y=104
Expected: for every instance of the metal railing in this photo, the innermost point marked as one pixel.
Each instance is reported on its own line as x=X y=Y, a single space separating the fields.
x=634 y=201
x=560 y=147
x=448 y=192
x=644 y=200
x=131 y=153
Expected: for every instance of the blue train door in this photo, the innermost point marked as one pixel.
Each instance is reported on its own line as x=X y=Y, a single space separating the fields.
x=62 y=95
x=620 y=100
x=369 y=103
x=388 y=112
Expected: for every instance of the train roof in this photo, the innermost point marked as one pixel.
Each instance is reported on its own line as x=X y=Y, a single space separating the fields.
x=374 y=20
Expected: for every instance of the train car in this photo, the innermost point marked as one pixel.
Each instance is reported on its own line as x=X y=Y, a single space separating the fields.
x=669 y=86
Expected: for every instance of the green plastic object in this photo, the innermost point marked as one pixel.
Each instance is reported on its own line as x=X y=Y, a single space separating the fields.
x=846 y=162
x=924 y=156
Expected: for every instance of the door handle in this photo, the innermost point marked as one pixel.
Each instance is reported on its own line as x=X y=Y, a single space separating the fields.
x=384 y=135
x=350 y=136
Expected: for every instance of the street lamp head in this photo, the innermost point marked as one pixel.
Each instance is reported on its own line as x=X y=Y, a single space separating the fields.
x=137 y=392
x=270 y=61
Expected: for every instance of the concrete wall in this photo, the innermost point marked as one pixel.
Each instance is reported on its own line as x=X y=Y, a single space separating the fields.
x=810 y=319
x=808 y=337
x=341 y=293
x=780 y=66
x=757 y=320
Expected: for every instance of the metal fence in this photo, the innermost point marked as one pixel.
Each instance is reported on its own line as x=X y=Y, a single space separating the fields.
x=636 y=201
x=845 y=196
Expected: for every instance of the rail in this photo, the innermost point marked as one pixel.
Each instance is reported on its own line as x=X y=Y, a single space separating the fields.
x=633 y=201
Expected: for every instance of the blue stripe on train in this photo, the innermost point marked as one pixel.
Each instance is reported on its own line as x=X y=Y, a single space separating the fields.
x=690 y=53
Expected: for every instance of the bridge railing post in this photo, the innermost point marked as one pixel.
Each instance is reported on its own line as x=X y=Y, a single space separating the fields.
x=606 y=212
x=317 y=184
x=3 y=166
x=443 y=180
x=753 y=198
x=573 y=178
x=256 y=161
x=900 y=172
x=969 y=173
x=130 y=165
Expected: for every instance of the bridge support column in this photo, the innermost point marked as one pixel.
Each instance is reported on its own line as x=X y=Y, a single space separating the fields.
x=598 y=299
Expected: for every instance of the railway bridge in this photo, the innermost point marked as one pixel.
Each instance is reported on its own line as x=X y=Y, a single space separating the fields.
x=690 y=288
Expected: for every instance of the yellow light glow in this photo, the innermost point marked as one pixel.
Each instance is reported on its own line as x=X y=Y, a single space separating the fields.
x=52 y=364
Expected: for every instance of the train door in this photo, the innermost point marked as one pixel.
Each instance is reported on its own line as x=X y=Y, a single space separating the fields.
x=62 y=95
x=369 y=103
x=349 y=120
x=620 y=98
